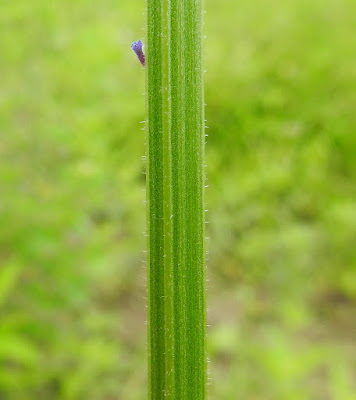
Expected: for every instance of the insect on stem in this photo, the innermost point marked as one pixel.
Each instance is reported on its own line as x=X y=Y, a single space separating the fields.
x=137 y=48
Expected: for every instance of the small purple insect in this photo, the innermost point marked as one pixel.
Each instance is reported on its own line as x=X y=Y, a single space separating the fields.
x=137 y=48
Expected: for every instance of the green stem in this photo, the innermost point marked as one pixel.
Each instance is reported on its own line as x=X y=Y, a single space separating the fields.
x=175 y=181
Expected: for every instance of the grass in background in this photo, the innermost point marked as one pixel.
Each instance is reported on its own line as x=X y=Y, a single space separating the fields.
x=280 y=89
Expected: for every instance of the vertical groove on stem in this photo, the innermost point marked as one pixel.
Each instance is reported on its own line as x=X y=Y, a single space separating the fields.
x=178 y=194
x=155 y=228
x=175 y=181
x=167 y=200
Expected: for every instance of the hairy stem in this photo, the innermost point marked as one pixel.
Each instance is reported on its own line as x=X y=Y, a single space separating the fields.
x=175 y=181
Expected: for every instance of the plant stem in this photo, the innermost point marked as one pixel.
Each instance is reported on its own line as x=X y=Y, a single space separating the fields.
x=175 y=205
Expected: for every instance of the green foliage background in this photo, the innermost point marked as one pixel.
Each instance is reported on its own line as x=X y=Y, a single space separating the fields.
x=281 y=96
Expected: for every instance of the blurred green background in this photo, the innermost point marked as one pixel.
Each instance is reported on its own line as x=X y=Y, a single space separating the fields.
x=281 y=102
